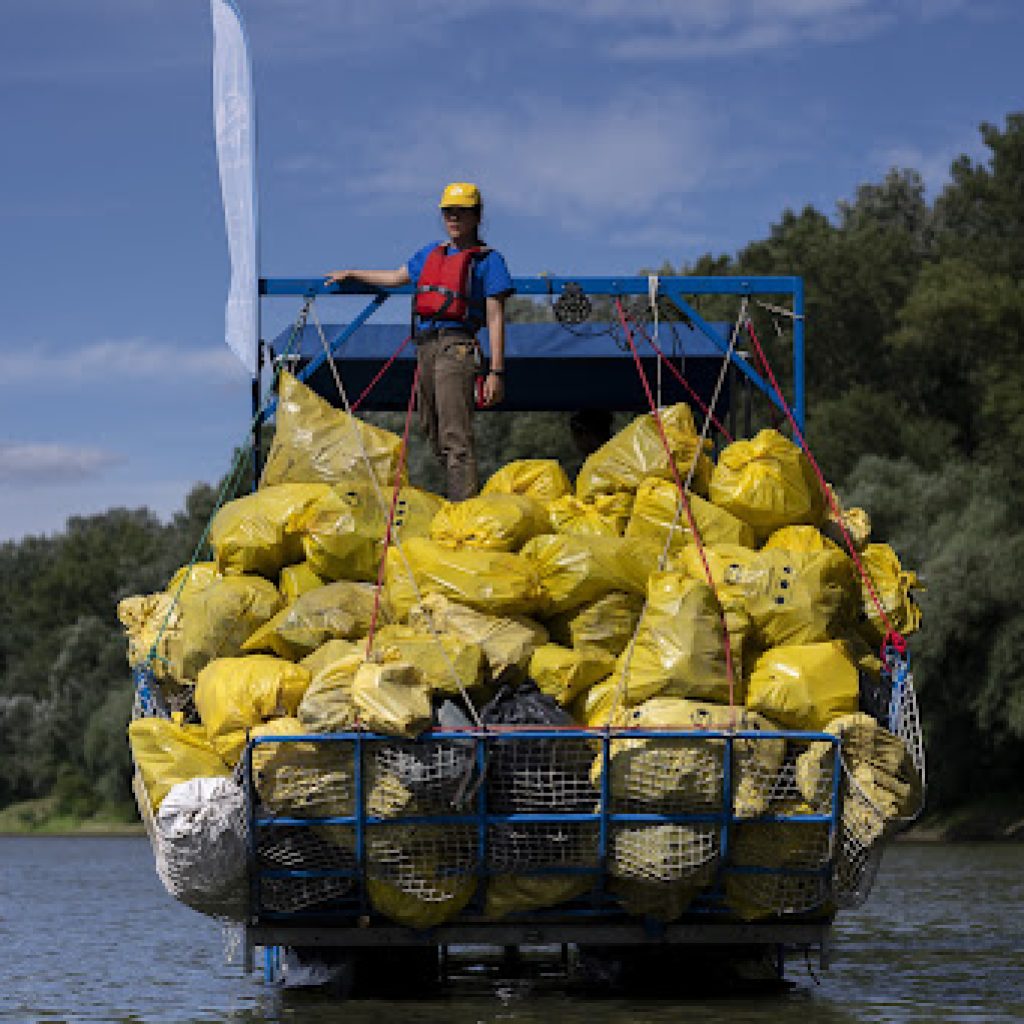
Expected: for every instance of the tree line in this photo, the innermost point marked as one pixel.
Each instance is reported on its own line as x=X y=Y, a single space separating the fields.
x=915 y=382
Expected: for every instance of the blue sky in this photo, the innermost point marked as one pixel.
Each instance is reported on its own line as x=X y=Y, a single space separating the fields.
x=606 y=135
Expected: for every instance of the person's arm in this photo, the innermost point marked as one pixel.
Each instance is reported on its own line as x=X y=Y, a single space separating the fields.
x=380 y=278
x=494 y=385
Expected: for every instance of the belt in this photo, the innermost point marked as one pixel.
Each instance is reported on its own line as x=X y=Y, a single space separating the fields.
x=442 y=332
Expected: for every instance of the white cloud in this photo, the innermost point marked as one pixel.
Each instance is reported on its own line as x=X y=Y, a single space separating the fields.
x=125 y=359
x=628 y=29
x=933 y=164
x=584 y=165
x=52 y=463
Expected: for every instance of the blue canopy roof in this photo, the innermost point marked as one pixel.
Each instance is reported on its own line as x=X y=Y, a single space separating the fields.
x=548 y=366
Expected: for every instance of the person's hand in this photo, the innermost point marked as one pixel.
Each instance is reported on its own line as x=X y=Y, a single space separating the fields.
x=494 y=390
x=338 y=276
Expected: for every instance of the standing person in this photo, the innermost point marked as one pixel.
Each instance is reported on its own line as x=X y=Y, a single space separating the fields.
x=461 y=285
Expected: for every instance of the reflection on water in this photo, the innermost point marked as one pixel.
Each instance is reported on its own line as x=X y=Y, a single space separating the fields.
x=89 y=935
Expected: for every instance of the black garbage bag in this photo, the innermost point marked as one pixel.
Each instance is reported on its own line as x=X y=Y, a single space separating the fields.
x=434 y=772
x=528 y=775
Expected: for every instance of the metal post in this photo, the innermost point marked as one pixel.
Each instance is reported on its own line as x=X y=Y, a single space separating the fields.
x=799 y=398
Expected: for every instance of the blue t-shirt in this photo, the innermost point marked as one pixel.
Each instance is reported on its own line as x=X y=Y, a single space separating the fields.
x=489 y=278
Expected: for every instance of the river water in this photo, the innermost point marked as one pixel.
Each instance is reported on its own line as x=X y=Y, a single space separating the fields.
x=88 y=934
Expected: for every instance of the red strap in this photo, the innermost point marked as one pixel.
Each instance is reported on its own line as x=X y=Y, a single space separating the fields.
x=380 y=373
x=391 y=512
x=682 y=380
x=686 y=504
x=898 y=641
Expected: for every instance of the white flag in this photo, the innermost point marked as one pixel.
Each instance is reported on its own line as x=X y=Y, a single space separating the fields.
x=234 y=124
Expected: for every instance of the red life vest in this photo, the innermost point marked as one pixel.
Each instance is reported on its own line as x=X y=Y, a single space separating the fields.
x=443 y=290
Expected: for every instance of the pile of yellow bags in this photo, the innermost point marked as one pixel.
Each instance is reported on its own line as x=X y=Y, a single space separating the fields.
x=597 y=590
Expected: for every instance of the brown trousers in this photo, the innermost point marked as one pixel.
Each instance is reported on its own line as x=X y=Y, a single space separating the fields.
x=446 y=401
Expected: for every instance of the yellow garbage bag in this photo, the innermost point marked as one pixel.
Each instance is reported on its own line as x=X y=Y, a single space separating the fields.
x=799 y=538
x=391 y=699
x=804 y=686
x=495 y=582
x=235 y=694
x=604 y=515
x=316 y=443
x=658 y=870
x=335 y=611
x=565 y=672
x=166 y=753
x=260 y=532
x=507 y=642
x=881 y=786
x=344 y=532
x=792 y=596
x=213 y=622
x=442 y=660
x=686 y=775
x=767 y=482
x=679 y=643
x=895 y=588
x=575 y=569
x=542 y=479
x=793 y=845
x=855 y=520
x=420 y=876
x=593 y=708
x=328 y=704
x=490 y=522
x=196 y=576
x=608 y=623
x=654 y=512
x=328 y=653
x=516 y=894
x=637 y=451
x=296 y=580
x=147 y=616
x=303 y=779
x=734 y=570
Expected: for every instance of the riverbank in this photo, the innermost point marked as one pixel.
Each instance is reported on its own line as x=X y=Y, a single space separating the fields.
x=45 y=817
x=996 y=819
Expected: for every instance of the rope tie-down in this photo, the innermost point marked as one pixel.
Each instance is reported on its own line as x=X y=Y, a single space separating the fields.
x=388 y=508
x=683 y=505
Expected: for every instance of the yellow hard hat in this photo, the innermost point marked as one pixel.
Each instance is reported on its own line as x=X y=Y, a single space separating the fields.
x=460 y=193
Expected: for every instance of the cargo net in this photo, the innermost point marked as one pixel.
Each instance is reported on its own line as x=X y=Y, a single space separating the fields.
x=419 y=874
x=541 y=776
x=305 y=851
x=882 y=792
x=773 y=868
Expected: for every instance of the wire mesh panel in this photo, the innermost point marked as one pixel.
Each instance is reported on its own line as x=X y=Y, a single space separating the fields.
x=427 y=825
x=300 y=850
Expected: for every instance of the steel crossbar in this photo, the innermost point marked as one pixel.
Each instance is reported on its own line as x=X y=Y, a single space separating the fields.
x=482 y=818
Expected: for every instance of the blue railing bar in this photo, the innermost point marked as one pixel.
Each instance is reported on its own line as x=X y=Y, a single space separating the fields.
x=279 y=873
x=710 y=818
x=799 y=396
x=268 y=410
x=360 y=808
x=544 y=285
x=606 y=802
x=723 y=841
x=250 y=831
x=547 y=734
x=480 y=754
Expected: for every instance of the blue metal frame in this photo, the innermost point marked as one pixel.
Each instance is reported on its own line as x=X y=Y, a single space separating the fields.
x=600 y=904
x=675 y=288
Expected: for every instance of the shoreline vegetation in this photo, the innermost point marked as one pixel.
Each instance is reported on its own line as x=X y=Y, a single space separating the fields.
x=993 y=820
